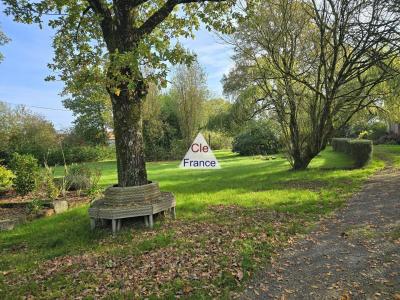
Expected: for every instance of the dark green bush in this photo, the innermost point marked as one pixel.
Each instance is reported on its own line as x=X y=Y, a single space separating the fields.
x=359 y=150
x=26 y=170
x=259 y=138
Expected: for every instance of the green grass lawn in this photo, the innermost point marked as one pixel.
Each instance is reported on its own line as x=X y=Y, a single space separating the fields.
x=390 y=153
x=229 y=221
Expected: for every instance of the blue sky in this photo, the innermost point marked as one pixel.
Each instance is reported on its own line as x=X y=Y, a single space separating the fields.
x=24 y=68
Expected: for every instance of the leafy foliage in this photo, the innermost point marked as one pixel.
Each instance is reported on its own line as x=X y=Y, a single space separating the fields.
x=34 y=206
x=48 y=183
x=25 y=132
x=258 y=138
x=190 y=92
x=218 y=140
x=26 y=170
x=6 y=179
x=92 y=108
x=3 y=40
x=361 y=151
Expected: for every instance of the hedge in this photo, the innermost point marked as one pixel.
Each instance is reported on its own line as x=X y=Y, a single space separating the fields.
x=359 y=150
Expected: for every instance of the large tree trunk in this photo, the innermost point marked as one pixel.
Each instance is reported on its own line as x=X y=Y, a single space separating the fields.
x=301 y=163
x=301 y=159
x=127 y=114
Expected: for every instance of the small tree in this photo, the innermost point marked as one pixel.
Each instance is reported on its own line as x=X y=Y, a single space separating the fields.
x=314 y=64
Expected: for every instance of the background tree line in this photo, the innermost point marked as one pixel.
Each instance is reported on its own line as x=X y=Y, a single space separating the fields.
x=171 y=120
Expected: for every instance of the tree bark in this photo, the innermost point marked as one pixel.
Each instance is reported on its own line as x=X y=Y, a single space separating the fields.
x=128 y=128
x=301 y=163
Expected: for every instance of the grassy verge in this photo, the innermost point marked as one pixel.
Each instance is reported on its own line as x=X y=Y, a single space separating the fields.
x=230 y=221
x=390 y=153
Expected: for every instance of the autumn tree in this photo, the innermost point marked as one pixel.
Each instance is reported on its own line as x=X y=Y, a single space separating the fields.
x=313 y=65
x=133 y=36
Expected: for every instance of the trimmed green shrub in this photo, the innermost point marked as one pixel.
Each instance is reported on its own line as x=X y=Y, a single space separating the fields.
x=340 y=145
x=26 y=170
x=359 y=150
x=6 y=179
x=259 y=138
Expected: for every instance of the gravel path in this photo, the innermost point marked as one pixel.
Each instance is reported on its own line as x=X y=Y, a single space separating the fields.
x=353 y=255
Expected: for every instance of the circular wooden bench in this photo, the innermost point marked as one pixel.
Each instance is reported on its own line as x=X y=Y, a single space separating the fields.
x=121 y=203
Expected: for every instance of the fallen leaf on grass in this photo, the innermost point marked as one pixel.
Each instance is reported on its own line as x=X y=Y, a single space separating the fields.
x=239 y=275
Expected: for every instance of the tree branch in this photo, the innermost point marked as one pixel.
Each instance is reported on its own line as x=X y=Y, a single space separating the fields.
x=101 y=9
x=162 y=13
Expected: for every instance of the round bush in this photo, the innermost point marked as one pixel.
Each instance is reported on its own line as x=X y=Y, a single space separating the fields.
x=260 y=138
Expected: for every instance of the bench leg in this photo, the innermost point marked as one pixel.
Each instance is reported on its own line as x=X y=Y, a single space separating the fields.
x=146 y=221
x=151 y=221
x=114 y=225
x=173 y=213
x=92 y=223
x=119 y=221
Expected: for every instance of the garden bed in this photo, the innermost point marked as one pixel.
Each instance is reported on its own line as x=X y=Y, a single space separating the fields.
x=15 y=209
